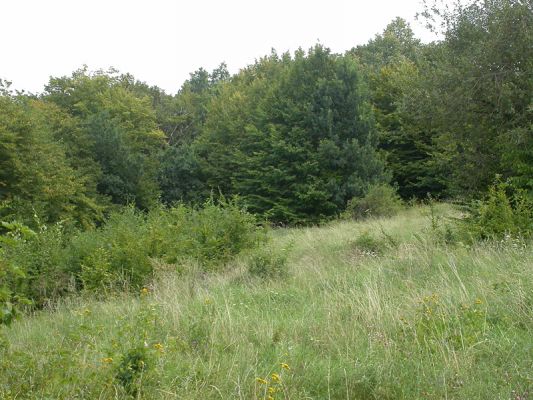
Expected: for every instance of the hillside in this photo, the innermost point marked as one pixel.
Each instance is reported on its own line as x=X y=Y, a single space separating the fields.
x=382 y=309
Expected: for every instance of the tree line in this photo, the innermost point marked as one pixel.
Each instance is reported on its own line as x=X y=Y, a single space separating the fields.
x=293 y=137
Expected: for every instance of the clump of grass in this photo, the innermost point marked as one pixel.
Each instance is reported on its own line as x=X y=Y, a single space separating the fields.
x=269 y=262
x=368 y=244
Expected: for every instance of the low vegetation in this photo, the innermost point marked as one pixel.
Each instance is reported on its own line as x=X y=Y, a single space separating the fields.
x=380 y=309
x=380 y=201
x=121 y=255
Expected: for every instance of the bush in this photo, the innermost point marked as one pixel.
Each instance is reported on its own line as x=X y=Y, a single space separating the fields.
x=268 y=262
x=210 y=235
x=9 y=298
x=121 y=253
x=381 y=200
x=115 y=256
x=13 y=280
x=505 y=211
x=38 y=257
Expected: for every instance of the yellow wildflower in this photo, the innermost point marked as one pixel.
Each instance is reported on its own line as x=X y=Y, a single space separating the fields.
x=285 y=366
x=158 y=346
x=275 y=377
x=261 y=381
x=271 y=390
x=107 y=360
x=144 y=290
x=479 y=301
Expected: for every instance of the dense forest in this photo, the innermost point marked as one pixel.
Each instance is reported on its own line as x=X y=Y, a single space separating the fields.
x=294 y=138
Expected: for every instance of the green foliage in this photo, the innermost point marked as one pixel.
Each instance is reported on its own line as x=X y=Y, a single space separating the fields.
x=36 y=175
x=40 y=257
x=504 y=211
x=120 y=255
x=113 y=256
x=180 y=177
x=297 y=137
x=118 y=132
x=12 y=278
x=133 y=365
x=210 y=235
x=293 y=137
x=9 y=277
x=269 y=262
x=475 y=90
x=182 y=118
x=380 y=201
x=391 y=63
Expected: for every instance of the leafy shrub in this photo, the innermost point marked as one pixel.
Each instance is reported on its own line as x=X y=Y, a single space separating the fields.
x=381 y=200
x=120 y=254
x=268 y=262
x=505 y=211
x=116 y=255
x=96 y=270
x=211 y=235
x=7 y=298
x=36 y=259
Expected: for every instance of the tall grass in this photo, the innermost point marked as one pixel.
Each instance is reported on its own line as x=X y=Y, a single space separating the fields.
x=416 y=319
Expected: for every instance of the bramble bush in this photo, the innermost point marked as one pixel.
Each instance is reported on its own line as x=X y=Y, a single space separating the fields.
x=32 y=262
x=113 y=257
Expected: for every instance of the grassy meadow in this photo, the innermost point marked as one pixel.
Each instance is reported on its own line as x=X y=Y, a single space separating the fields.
x=380 y=309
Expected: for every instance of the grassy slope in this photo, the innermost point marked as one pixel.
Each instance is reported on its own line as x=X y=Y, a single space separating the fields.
x=418 y=320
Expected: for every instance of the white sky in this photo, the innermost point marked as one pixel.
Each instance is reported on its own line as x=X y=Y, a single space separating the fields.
x=162 y=41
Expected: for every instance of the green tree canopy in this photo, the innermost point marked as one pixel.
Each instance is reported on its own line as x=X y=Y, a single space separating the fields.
x=294 y=137
x=37 y=178
x=120 y=132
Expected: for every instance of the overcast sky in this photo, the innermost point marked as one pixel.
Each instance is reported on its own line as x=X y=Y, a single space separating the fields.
x=162 y=41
